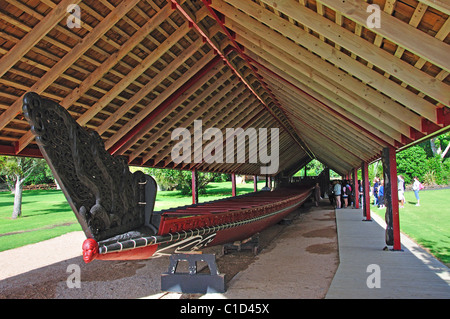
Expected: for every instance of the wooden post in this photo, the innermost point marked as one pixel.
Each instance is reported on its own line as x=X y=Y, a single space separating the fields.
x=366 y=191
x=255 y=183
x=233 y=184
x=194 y=187
x=391 y=197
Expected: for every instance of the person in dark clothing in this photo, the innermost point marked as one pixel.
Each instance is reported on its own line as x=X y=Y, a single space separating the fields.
x=317 y=194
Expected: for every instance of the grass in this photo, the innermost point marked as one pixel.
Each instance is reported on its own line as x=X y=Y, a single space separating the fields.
x=429 y=223
x=46 y=213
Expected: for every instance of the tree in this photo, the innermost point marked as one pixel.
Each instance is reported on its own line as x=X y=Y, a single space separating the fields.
x=170 y=179
x=16 y=170
x=412 y=162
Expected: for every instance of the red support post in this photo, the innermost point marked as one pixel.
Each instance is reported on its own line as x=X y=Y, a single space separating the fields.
x=366 y=191
x=356 y=186
x=194 y=187
x=391 y=194
x=233 y=184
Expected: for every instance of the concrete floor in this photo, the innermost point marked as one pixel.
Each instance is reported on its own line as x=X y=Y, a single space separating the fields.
x=367 y=271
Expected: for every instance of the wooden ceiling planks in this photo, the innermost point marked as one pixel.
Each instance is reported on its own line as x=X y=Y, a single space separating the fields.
x=135 y=70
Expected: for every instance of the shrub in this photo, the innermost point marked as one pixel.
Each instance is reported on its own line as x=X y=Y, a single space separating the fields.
x=412 y=162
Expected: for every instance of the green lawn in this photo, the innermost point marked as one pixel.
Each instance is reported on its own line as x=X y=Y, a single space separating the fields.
x=429 y=223
x=46 y=213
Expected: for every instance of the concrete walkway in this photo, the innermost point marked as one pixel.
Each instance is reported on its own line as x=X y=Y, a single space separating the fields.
x=367 y=271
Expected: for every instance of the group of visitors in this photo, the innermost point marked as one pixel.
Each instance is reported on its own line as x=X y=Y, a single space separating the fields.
x=378 y=191
x=341 y=193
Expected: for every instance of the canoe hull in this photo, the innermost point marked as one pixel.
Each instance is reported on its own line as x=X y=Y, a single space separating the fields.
x=181 y=234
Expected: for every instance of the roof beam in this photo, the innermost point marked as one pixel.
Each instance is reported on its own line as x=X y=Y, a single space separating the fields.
x=34 y=36
x=109 y=63
x=235 y=98
x=320 y=118
x=73 y=55
x=333 y=55
x=177 y=6
x=189 y=107
x=343 y=102
x=338 y=81
x=318 y=102
x=330 y=101
x=119 y=142
x=133 y=75
x=367 y=51
x=393 y=29
x=177 y=99
x=440 y=5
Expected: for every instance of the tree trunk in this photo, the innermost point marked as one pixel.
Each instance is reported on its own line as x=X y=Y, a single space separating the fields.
x=18 y=198
x=445 y=151
x=433 y=146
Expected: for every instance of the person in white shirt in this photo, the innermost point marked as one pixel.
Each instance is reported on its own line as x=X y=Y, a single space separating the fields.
x=416 y=188
x=401 y=190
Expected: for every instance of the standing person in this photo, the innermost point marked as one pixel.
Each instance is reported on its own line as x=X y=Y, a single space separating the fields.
x=345 y=192
x=416 y=189
x=337 y=194
x=401 y=190
x=331 y=193
x=375 y=191
x=361 y=193
x=351 y=193
x=317 y=194
x=381 y=195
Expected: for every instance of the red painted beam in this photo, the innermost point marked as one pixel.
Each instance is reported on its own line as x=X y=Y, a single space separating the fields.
x=11 y=150
x=443 y=116
x=429 y=127
x=233 y=184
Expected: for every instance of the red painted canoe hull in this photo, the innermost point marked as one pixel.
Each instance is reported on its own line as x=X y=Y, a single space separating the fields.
x=206 y=225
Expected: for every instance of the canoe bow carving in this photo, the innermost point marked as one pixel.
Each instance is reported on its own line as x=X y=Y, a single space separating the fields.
x=106 y=197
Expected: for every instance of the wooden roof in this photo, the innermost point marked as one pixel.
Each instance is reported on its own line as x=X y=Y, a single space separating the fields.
x=135 y=70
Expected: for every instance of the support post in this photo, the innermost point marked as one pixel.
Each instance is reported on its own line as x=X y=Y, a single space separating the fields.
x=233 y=184
x=391 y=198
x=255 y=183
x=194 y=187
x=356 y=186
x=366 y=191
